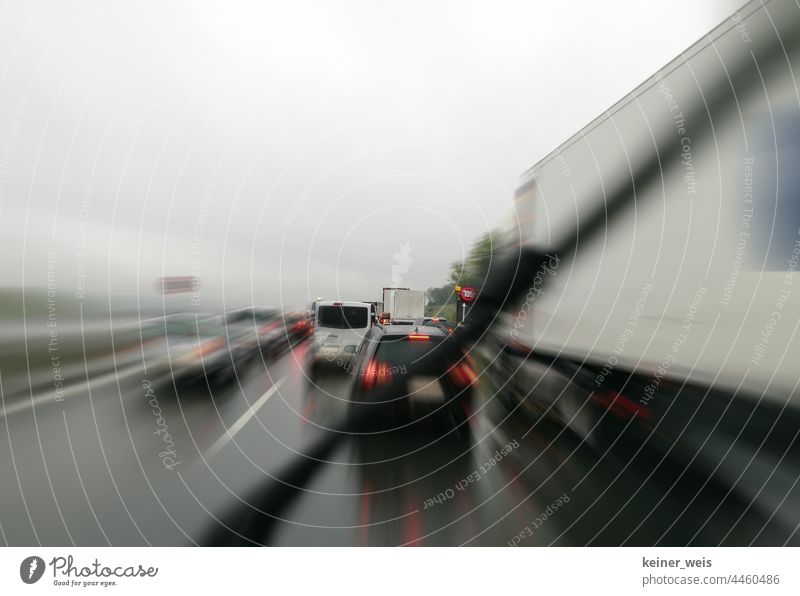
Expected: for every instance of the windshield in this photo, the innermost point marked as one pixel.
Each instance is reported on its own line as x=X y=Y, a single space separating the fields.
x=343 y=317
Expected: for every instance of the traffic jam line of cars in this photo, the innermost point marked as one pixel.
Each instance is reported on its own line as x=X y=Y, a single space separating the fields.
x=347 y=339
x=210 y=347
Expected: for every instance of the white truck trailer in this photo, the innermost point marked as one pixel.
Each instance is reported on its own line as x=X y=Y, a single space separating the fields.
x=403 y=304
x=670 y=304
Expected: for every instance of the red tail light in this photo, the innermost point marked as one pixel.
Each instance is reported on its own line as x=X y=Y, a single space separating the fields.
x=463 y=375
x=418 y=337
x=375 y=374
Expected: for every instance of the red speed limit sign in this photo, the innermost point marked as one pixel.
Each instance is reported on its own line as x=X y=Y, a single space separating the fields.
x=468 y=294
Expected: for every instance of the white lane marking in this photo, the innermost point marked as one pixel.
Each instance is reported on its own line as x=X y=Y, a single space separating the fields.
x=227 y=437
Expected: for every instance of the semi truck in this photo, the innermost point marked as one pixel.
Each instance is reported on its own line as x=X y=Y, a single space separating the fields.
x=402 y=304
x=662 y=306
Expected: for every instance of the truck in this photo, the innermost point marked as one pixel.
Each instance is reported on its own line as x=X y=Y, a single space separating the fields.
x=402 y=304
x=663 y=240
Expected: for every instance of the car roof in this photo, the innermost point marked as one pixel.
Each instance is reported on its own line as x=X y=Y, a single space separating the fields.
x=341 y=303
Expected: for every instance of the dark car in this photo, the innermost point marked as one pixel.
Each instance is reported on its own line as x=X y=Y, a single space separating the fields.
x=387 y=393
x=403 y=322
x=280 y=335
x=254 y=328
x=196 y=347
x=440 y=322
x=297 y=328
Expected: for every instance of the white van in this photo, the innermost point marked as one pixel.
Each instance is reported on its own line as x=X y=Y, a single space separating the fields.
x=339 y=329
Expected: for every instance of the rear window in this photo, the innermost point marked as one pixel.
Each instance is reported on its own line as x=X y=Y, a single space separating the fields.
x=343 y=317
x=399 y=350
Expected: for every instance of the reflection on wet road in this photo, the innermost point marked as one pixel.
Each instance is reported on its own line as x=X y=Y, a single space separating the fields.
x=135 y=462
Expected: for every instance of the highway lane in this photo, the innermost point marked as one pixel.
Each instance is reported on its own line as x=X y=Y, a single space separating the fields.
x=135 y=462
x=513 y=481
x=506 y=480
x=103 y=465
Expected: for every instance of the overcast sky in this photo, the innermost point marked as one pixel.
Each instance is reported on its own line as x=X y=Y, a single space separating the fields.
x=284 y=151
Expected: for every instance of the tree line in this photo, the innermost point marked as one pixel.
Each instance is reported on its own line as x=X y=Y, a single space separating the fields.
x=471 y=271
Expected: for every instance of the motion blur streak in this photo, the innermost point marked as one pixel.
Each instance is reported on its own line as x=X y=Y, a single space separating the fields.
x=625 y=372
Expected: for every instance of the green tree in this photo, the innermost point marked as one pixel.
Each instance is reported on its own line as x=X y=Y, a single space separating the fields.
x=441 y=295
x=473 y=270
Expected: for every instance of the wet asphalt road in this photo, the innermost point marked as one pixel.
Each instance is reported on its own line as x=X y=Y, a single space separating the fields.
x=132 y=461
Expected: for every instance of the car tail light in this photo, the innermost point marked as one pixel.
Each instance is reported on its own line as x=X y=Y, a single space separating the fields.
x=337 y=303
x=463 y=375
x=375 y=374
x=418 y=337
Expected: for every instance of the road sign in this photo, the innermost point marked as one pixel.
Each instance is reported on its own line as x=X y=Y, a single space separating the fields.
x=468 y=294
x=177 y=284
x=458 y=289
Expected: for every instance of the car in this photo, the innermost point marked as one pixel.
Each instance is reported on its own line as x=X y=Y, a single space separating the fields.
x=265 y=330
x=440 y=322
x=427 y=320
x=339 y=329
x=197 y=347
x=441 y=386
x=256 y=328
x=297 y=327
x=284 y=333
